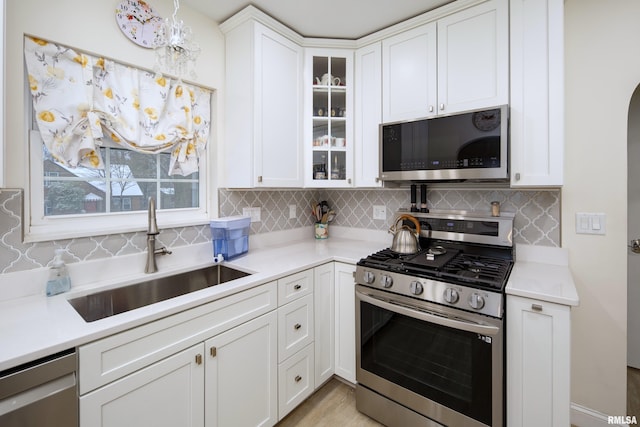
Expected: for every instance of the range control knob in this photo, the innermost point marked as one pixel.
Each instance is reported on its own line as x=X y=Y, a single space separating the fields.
x=416 y=287
x=476 y=301
x=386 y=280
x=451 y=296
x=369 y=277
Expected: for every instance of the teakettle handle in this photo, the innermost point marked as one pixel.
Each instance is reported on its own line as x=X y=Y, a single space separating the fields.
x=410 y=218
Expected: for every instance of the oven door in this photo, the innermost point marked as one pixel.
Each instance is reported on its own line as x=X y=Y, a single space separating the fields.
x=443 y=363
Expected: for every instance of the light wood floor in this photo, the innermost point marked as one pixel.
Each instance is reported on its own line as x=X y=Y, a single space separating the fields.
x=334 y=404
x=633 y=391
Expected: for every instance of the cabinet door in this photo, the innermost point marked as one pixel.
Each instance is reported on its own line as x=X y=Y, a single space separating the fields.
x=263 y=107
x=241 y=375
x=278 y=100
x=345 y=321
x=537 y=93
x=368 y=115
x=473 y=58
x=329 y=116
x=295 y=326
x=538 y=363
x=409 y=79
x=324 y=313
x=168 y=393
x=295 y=380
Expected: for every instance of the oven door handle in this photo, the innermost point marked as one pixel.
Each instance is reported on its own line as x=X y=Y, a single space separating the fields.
x=429 y=316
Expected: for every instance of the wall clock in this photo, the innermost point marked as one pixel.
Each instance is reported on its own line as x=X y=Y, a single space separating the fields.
x=138 y=22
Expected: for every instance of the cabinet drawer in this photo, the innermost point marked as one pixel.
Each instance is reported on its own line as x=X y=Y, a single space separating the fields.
x=295 y=286
x=295 y=380
x=295 y=326
x=113 y=357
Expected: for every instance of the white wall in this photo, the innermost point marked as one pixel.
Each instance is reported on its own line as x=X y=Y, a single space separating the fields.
x=602 y=71
x=90 y=25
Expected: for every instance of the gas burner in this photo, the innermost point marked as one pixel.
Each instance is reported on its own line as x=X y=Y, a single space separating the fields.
x=434 y=251
x=437 y=250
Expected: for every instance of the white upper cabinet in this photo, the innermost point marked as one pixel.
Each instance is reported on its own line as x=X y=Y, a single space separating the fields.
x=328 y=130
x=537 y=93
x=263 y=107
x=459 y=62
x=409 y=74
x=473 y=58
x=368 y=115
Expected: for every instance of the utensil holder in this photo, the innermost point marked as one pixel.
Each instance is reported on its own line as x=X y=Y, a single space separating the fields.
x=321 y=230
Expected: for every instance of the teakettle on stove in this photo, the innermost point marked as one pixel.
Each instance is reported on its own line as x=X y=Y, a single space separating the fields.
x=405 y=240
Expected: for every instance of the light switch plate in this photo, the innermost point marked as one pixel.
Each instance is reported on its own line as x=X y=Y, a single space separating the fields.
x=253 y=212
x=292 y=212
x=379 y=212
x=591 y=223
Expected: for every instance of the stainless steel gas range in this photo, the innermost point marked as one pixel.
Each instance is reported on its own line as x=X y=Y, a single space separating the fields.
x=429 y=324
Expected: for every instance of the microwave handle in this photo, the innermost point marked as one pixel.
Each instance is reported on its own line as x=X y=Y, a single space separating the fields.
x=427 y=316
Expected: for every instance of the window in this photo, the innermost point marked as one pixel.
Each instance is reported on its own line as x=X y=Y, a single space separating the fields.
x=126 y=184
x=74 y=202
x=114 y=145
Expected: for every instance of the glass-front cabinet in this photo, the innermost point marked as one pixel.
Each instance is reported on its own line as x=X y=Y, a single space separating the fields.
x=328 y=118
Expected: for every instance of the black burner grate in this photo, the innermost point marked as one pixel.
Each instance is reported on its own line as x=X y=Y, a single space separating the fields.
x=476 y=270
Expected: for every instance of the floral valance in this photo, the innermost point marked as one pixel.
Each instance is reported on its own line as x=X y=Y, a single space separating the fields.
x=78 y=98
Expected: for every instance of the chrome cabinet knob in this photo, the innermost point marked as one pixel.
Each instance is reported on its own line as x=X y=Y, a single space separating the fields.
x=476 y=301
x=416 y=287
x=451 y=295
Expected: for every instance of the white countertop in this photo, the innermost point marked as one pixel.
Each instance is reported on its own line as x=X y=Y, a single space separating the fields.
x=542 y=273
x=35 y=326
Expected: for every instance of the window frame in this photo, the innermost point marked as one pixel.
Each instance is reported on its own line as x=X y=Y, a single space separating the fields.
x=41 y=228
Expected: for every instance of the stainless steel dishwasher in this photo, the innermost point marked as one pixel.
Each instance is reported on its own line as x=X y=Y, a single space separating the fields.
x=41 y=393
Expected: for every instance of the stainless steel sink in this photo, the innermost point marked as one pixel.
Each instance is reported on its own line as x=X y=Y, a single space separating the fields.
x=119 y=300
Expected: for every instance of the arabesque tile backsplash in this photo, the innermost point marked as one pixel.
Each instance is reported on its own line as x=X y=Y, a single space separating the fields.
x=537 y=220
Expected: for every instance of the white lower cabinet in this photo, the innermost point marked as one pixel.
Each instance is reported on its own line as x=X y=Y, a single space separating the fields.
x=295 y=380
x=168 y=393
x=324 y=316
x=241 y=375
x=345 y=320
x=538 y=363
x=244 y=360
x=295 y=326
x=160 y=373
x=296 y=369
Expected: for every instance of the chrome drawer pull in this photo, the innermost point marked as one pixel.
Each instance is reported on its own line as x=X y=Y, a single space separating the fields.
x=536 y=307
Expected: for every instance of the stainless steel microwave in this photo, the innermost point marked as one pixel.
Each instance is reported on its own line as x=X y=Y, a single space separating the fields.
x=473 y=145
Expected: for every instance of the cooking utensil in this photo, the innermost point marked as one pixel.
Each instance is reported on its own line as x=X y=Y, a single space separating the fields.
x=331 y=215
x=405 y=240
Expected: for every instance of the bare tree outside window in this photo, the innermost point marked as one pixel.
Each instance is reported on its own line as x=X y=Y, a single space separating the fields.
x=126 y=183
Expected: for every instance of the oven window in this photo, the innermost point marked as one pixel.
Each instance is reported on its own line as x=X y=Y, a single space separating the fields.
x=446 y=365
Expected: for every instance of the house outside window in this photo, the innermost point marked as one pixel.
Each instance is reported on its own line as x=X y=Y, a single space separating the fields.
x=73 y=202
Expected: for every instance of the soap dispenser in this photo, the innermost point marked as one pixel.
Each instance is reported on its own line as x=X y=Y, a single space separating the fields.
x=59 y=280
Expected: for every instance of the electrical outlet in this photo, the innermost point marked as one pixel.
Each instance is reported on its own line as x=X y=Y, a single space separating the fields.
x=292 y=212
x=253 y=212
x=379 y=212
